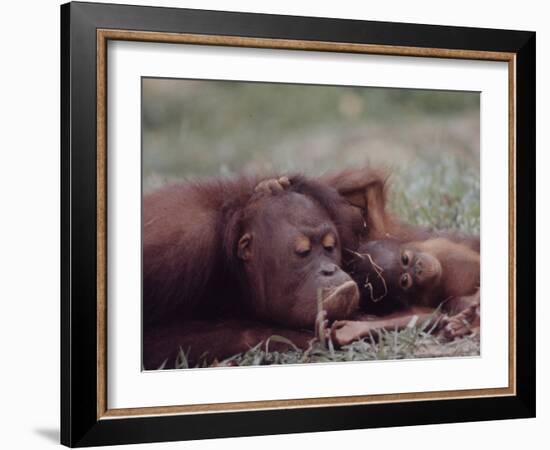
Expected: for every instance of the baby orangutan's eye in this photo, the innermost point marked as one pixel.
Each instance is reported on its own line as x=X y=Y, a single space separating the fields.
x=405 y=259
x=405 y=281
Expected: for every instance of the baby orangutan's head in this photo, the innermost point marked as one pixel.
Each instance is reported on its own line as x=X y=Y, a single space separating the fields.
x=391 y=273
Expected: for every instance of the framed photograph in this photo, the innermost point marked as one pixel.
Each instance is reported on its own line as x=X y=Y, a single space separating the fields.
x=278 y=224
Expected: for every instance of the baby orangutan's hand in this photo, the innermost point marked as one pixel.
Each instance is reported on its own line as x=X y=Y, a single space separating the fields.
x=461 y=324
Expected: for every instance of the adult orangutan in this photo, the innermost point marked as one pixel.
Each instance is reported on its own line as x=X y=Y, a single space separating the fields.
x=228 y=263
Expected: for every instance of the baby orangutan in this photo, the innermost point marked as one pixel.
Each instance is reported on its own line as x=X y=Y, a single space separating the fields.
x=399 y=281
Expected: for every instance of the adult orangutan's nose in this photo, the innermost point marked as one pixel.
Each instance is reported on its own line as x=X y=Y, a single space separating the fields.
x=328 y=269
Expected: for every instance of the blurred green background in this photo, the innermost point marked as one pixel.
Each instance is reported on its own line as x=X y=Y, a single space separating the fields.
x=429 y=140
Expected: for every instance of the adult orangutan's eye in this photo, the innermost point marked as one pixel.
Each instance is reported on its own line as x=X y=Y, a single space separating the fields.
x=302 y=246
x=405 y=259
x=329 y=242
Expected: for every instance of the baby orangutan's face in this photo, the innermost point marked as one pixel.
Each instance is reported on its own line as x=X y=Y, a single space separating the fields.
x=393 y=270
x=418 y=268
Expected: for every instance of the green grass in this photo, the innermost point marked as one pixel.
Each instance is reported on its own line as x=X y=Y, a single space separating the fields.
x=440 y=193
x=209 y=128
x=417 y=341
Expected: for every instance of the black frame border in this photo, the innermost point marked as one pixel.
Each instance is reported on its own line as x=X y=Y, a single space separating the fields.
x=79 y=423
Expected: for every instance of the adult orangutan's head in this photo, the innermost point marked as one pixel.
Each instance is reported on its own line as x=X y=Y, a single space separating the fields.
x=288 y=244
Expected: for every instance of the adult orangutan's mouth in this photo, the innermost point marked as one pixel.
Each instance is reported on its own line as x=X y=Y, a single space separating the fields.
x=341 y=301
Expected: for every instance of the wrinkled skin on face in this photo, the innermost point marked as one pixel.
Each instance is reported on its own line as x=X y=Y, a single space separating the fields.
x=291 y=253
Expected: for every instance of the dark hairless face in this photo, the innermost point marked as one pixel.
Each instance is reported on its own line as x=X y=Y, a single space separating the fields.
x=292 y=253
x=392 y=272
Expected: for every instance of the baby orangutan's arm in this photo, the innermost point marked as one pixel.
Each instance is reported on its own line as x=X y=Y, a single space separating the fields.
x=463 y=318
x=344 y=332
